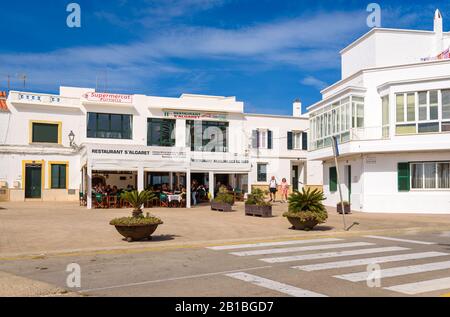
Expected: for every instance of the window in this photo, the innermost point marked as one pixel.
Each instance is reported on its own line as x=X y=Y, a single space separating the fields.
x=262 y=172
x=430 y=175
x=336 y=119
x=262 y=139
x=45 y=132
x=207 y=136
x=385 y=116
x=411 y=107
x=400 y=106
x=423 y=106
x=446 y=104
x=58 y=176
x=333 y=179
x=109 y=126
x=160 y=132
x=434 y=105
x=297 y=140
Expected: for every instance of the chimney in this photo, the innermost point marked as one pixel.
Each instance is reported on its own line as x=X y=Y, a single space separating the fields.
x=297 y=108
x=438 y=32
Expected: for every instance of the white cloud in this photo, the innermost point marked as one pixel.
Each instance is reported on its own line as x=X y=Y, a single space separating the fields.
x=314 y=82
x=309 y=42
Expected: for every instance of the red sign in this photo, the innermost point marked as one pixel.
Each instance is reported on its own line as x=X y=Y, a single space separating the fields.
x=106 y=97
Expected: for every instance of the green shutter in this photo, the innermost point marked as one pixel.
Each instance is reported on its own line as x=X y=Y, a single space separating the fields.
x=58 y=176
x=333 y=179
x=290 y=142
x=404 y=184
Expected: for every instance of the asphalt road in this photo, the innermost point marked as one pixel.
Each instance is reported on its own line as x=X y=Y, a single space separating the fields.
x=415 y=265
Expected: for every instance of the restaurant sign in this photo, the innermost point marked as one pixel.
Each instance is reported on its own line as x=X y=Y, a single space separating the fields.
x=109 y=98
x=194 y=115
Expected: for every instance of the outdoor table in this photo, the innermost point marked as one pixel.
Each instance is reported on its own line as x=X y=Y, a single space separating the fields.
x=174 y=198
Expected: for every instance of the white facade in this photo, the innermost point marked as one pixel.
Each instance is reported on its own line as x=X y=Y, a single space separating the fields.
x=130 y=160
x=391 y=114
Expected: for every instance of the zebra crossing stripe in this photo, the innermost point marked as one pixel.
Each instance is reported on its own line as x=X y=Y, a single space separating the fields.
x=421 y=287
x=316 y=256
x=400 y=240
x=271 y=244
x=300 y=249
x=273 y=285
x=397 y=271
x=377 y=260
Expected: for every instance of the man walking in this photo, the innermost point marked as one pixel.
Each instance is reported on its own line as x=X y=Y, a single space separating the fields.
x=273 y=188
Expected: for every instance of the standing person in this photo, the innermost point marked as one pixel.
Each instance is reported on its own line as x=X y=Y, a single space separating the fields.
x=273 y=188
x=284 y=190
x=194 y=192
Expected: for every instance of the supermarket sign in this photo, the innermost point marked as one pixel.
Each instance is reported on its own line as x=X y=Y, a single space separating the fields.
x=108 y=98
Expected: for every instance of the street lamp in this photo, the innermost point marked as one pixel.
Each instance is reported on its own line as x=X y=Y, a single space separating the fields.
x=71 y=138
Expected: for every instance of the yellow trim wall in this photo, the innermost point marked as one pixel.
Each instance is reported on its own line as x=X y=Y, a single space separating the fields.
x=59 y=123
x=49 y=180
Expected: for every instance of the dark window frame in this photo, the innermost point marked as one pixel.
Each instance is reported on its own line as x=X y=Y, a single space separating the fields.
x=124 y=133
x=261 y=177
x=45 y=139
x=161 y=142
x=61 y=182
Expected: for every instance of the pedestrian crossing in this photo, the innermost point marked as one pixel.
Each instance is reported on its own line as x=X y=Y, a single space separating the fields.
x=352 y=257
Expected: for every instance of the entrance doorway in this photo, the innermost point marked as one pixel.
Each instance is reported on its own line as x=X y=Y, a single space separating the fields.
x=348 y=180
x=295 y=178
x=33 y=181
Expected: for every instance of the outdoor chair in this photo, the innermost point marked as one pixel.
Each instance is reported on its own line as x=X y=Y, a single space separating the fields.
x=164 y=201
x=83 y=200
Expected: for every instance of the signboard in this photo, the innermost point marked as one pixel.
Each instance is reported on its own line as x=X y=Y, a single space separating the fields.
x=108 y=98
x=194 y=115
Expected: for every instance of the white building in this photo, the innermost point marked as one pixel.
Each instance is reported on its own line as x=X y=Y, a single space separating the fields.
x=52 y=147
x=391 y=113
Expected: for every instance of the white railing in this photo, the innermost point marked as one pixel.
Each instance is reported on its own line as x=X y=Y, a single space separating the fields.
x=34 y=98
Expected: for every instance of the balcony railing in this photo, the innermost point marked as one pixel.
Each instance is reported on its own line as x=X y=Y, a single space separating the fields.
x=44 y=99
x=355 y=134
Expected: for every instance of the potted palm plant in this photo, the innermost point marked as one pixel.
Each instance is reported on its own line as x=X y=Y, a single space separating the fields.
x=224 y=200
x=347 y=207
x=306 y=209
x=255 y=205
x=137 y=227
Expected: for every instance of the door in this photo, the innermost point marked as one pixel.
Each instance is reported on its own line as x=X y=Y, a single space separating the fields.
x=349 y=182
x=295 y=180
x=33 y=181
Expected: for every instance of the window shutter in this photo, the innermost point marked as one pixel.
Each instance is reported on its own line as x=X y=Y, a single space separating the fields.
x=333 y=179
x=290 y=144
x=305 y=141
x=269 y=140
x=404 y=184
x=255 y=139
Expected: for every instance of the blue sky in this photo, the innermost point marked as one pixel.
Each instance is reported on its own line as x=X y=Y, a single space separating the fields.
x=265 y=52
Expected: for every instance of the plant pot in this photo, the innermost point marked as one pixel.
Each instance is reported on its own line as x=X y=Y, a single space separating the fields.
x=347 y=209
x=299 y=224
x=259 y=211
x=221 y=207
x=137 y=233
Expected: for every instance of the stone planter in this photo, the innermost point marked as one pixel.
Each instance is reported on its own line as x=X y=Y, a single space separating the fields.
x=259 y=211
x=221 y=207
x=302 y=225
x=137 y=233
x=347 y=209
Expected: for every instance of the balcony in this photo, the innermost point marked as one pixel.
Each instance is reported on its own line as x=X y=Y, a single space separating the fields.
x=354 y=134
x=32 y=101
